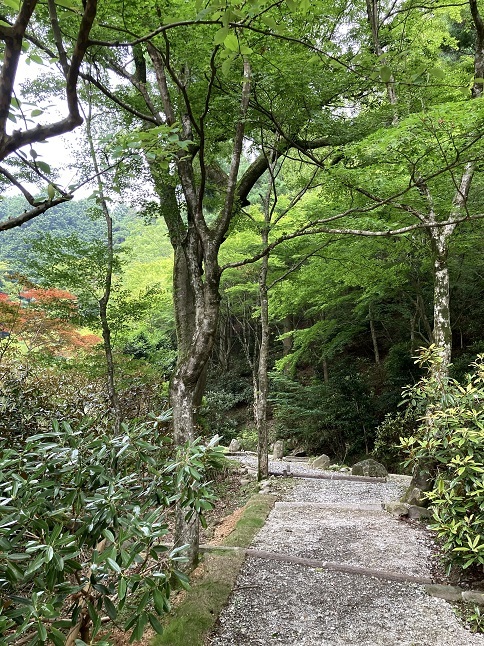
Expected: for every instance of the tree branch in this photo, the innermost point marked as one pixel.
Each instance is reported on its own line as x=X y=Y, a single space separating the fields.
x=231 y=191
x=17 y=221
x=21 y=138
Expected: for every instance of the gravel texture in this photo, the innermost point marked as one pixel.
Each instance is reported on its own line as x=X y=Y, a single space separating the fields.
x=339 y=521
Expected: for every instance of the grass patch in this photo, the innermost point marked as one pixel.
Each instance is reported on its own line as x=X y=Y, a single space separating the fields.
x=191 y=622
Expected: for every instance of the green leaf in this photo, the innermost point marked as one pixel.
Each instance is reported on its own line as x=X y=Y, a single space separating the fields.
x=113 y=565
x=231 y=42
x=35 y=58
x=227 y=65
x=221 y=35
x=158 y=601
x=41 y=631
x=270 y=22
x=11 y=4
x=68 y=4
x=122 y=588
x=51 y=191
x=437 y=73
x=385 y=74
x=110 y=608
x=155 y=624
x=58 y=638
x=45 y=168
x=137 y=633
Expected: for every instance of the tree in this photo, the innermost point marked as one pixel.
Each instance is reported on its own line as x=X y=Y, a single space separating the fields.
x=191 y=88
x=14 y=32
x=195 y=97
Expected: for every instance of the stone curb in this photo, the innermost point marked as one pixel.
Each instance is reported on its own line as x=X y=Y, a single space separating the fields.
x=322 y=565
x=454 y=593
x=334 y=506
x=327 y=476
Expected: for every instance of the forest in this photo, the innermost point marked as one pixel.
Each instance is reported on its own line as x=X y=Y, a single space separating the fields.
x=271 y=230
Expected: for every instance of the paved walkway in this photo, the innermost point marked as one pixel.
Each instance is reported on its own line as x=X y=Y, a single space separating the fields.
x=347 y=596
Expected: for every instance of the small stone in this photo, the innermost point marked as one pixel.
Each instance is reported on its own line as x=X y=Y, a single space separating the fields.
x=234 y=446
x=245 y=481
x=416 y=512
x=278 y=450
x=447 y=592
x=396 y=508
x=473 y=596
x=321 y=462
x=370 y=468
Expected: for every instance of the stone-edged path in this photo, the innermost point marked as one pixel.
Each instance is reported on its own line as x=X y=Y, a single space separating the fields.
x=344 y=596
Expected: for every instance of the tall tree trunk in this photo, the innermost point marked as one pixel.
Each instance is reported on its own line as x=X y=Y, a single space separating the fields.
x=373 y=13
x=197 y=312
x=442 y=331
x=261 y=395
x=108 y=280
x=374 y=337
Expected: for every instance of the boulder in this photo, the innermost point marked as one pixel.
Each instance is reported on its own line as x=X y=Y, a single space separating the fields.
x=396 y=508
x=234 y=446
x=414 y=496
x=321 y=462
x=370 y=468
x=416 y=512
x=278 y=450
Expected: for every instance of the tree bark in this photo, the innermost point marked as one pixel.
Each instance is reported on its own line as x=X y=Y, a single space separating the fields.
x=442 y=331
x=261 y=394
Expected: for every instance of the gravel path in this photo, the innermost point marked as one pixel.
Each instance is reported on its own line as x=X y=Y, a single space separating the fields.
x=276 y=602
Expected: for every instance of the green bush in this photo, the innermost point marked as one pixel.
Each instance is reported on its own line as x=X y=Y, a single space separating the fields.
x=387 y=448
x=450 y=443
x=82 y=520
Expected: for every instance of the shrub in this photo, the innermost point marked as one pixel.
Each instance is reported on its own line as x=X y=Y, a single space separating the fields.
x=82 y=517
x=450 y=442
x=387 y=448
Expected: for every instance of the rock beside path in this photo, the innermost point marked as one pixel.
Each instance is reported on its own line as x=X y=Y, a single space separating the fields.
x=369 y=468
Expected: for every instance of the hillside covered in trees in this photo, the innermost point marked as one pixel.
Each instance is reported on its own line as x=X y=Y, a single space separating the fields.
x=286 y=211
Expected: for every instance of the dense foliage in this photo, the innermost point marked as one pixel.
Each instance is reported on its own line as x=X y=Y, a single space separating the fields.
x=84 y=517
x=449 y=444
x=285 y=187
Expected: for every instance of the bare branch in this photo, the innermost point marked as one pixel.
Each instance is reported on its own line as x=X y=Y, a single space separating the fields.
x=313 y=229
